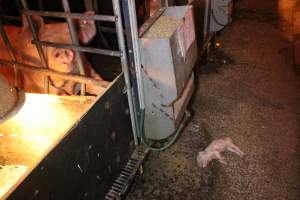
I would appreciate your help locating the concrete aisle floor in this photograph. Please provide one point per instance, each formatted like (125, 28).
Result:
(248, 91)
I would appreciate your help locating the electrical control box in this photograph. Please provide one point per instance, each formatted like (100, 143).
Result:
(168, 55)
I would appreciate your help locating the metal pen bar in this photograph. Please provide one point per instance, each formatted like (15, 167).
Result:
(40, 4)
(10, 51)
(19, 19)
(88, 4)
(108, 29)
(66, 14)
(39, 47)
(19, 6)
(121, 41)
(49, 72)
(130, 57)
(7, 43)
(95, 7)
(80, 48)
(207, 18)
(12, 18)
(74, 41)
(136, 50)
(104, 29)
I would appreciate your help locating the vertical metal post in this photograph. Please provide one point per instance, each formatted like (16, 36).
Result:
(130, 54)
(76, 42)
(19, 7)
(40, 4)
(98, 25)
(121, 41)
(10, 51)
(130, 60)
(38, 46)
(131, 30)
(88, 4)
(136, 51)
(207, 19)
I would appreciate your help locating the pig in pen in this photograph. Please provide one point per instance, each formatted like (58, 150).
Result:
(46, 56)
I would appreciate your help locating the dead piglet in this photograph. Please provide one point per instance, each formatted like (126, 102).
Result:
(214, 150)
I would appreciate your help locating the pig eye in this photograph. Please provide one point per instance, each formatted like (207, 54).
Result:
(83, 23)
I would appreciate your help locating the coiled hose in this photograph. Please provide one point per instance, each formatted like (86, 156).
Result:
(166, 145)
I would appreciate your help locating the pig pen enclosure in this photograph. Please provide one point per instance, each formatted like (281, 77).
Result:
(68, 147)
(64, 145)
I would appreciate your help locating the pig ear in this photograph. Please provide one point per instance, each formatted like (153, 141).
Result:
(37, 20)
(63, 56)
(87, 28)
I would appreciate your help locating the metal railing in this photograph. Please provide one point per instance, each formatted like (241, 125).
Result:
(68, 14)
(80, 48)
(10, 51)
(74, 46)
(38, 46)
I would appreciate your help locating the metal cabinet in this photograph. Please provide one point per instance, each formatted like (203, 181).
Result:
(168, 54)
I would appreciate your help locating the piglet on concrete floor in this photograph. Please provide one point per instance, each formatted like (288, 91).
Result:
(214, 149)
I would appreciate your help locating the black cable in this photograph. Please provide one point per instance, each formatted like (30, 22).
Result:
(215, 19)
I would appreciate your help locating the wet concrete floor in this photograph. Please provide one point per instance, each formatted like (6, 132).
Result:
(249, 91)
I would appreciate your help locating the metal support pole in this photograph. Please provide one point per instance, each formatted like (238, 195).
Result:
(121, 41)
(74, 41)
(40, 4)
(105, 18)
(130, 56)
(10, 51)
(19, 7)
(88, 4)
(163, 3)
(129, 11)
(207, 18)
(39, 47)
(80, 48)
(98, 25)
(136, 51)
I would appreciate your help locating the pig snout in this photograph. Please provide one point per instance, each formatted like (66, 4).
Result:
(63, 56)
(61, 60)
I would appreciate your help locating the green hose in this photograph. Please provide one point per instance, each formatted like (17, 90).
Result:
(168, 144)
